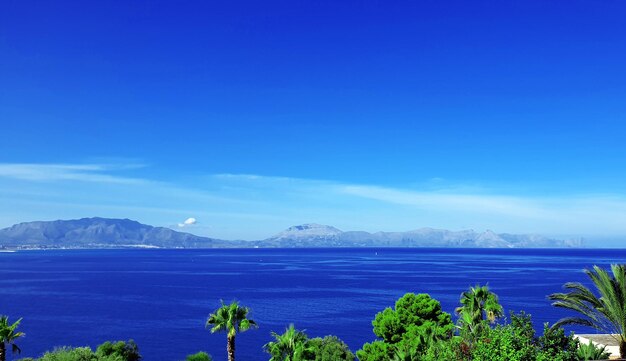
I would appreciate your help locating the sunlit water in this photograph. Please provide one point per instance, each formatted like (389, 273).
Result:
(161, 298)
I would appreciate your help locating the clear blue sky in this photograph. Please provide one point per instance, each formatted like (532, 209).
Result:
(253, 116)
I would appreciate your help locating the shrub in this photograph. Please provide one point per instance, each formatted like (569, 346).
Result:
(76, 354)
(108, 351)
(128, 351)
(329, 348)
(554, 345)
(512, 342)
(454, 349)
(200, 356)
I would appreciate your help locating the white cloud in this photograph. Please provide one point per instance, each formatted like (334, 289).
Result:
(188, 222)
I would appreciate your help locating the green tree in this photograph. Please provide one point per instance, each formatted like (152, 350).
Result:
(605, 311)
(329, 348)
(478, 305)
(292, 345)
(128, 351)
(200, 356)
(231, 319)
(412, 311)
(416, 321)
(8, 335)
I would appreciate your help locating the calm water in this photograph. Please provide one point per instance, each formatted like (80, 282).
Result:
(161, 298)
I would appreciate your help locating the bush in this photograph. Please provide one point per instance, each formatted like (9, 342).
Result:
(512, 342)
(128, 351)
(108, 351)
(554, 345)
(517, 342)
(329, 348)
(76, 354)
(454, 349)
(200, 356)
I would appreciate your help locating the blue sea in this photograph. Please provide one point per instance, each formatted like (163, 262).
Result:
(161, 298)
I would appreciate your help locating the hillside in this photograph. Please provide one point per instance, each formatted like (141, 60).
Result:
(101, 233)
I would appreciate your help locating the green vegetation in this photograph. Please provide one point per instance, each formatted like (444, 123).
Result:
(516, 341)
(8, 335)
(606, 312)
(330, 348)
(128, 351)
(415, 329)
(478, 305)
(408, 329)
(589, 351)
(290, 346)
(294, 345)
(231, 319)
(200, 356)
(418, 330)
(108, 351)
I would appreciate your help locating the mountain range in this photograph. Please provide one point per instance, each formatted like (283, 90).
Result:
(124, 233)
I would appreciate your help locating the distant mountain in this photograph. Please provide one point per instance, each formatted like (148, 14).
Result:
(101, 233)
(315, 235)
(123, 233)
(305, 235)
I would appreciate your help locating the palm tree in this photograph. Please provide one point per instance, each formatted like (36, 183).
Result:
(8, 336)
(290, 346)
(477, 305)
(231, 319)
(606, 313)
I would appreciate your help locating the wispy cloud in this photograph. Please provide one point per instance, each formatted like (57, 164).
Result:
(457, 202)
(454, 206)
(255, 206)
(75, 172)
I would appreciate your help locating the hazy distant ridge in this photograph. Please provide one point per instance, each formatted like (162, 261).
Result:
(120, 233)
(316, 235)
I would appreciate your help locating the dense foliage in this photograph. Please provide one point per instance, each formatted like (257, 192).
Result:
(128, 351)
(418, 330)
(516, 341)
(406, 330)
(200, 356)
(108, 351)
(330, 348)
(294, 345)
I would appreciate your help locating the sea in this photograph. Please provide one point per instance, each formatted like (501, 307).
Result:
(162, 298)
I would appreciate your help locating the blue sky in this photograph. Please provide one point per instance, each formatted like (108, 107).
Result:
(254, 116)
